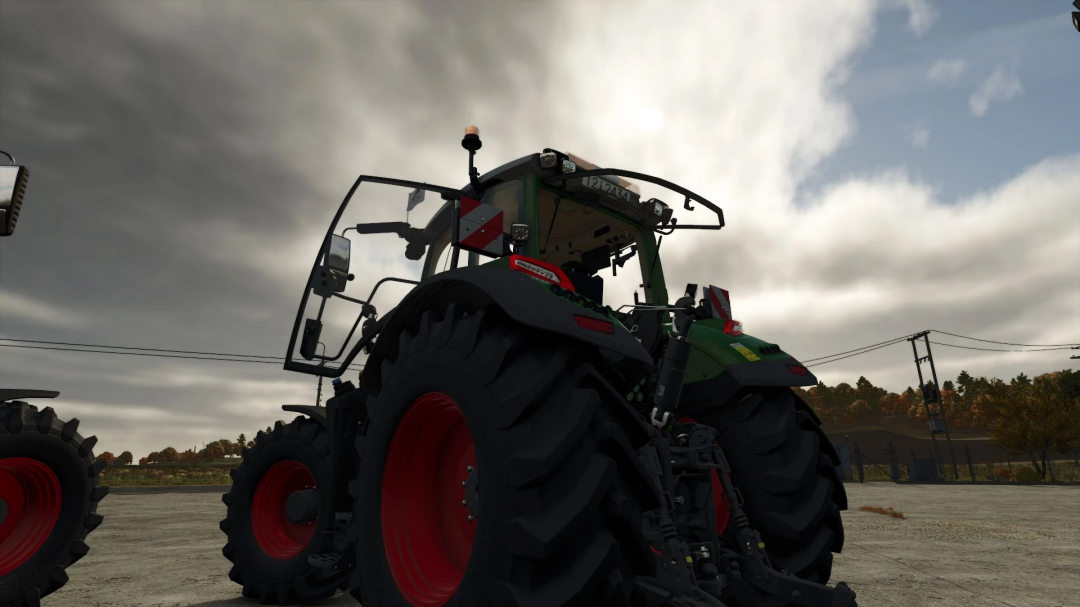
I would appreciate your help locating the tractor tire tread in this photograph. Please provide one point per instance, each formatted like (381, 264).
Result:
(18, 417)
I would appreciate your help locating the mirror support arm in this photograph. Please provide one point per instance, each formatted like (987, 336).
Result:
(454, 233)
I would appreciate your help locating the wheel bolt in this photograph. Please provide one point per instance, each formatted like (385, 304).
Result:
(464, 503)
(472, 518)
(463, 483)
(470, 468)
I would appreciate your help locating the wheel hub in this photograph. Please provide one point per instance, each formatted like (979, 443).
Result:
(472, 493)
(302, 508)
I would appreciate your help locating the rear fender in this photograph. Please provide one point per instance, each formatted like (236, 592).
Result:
(316, 413)
(748, 361)
(526, 300)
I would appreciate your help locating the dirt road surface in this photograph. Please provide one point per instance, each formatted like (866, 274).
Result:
(959, 546)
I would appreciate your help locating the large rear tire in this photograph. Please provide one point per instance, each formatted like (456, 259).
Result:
(499, 468)
(49, 484)
(268, 551)
(786, 477)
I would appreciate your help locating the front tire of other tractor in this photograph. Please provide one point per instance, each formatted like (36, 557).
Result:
(786, 477)
(499, 468)
(50, 493)
(269, 552)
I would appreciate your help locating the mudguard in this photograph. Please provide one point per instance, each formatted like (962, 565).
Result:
(525, 300)
(17, 393)
(316, 413)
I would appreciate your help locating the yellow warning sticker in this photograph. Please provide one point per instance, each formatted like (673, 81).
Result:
(745, 352)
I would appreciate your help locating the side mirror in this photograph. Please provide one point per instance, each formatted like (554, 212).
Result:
(337, 258)
(12, 189)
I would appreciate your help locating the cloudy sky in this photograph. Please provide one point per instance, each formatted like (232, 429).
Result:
(885, 167)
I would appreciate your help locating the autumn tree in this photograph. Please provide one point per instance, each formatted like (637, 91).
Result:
(108, 457)
(869, 394)
(170, 455)
(889, 404)
(124, 459)
(143, 461)
(857, 411)
(916, 410)
(1031, 416)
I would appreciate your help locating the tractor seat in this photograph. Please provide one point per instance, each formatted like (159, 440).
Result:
(585, 281)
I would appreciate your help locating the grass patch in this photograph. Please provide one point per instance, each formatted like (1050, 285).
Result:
(155, 476)
(880, 510)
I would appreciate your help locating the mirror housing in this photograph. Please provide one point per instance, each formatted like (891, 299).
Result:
(337, 258)
(12, 189)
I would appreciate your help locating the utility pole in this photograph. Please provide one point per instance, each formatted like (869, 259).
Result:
(932, 394)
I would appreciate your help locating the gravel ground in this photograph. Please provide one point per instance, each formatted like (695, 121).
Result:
(958, 546)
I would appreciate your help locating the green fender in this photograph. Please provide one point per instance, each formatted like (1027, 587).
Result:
(721, 366)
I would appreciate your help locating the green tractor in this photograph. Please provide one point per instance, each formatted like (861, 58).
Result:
(49, 478)
(513, 438)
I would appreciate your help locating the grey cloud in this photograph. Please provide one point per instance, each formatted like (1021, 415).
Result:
(153, 131)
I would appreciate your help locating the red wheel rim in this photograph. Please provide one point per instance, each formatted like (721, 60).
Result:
(279, 537)
(427, 531)
(32, 494)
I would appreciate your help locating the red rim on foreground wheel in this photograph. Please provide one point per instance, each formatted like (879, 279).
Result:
(279, 537)
(31, 494)
(429, 500)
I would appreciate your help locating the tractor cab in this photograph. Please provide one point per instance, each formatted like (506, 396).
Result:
(552, 216)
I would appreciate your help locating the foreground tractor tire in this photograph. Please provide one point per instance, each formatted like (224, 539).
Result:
(49, 494)
(786, 477)
(499, 468)
(268, 551)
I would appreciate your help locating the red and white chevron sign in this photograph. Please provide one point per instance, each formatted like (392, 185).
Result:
(719, 302)
(480, 227)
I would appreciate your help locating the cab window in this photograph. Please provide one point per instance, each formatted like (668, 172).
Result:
(581, 240)
(508, 197)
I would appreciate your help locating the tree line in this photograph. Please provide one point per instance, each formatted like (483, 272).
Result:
(1026, 416)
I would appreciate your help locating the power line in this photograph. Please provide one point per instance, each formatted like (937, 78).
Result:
(889, 342)
(883, 345)
(997, 350)
(277, 361)
(1003, 343)
(251, 358)
(236, 360)
(62, 343)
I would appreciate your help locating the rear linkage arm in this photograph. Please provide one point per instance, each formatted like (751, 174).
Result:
(755, 576)
(761, 584)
